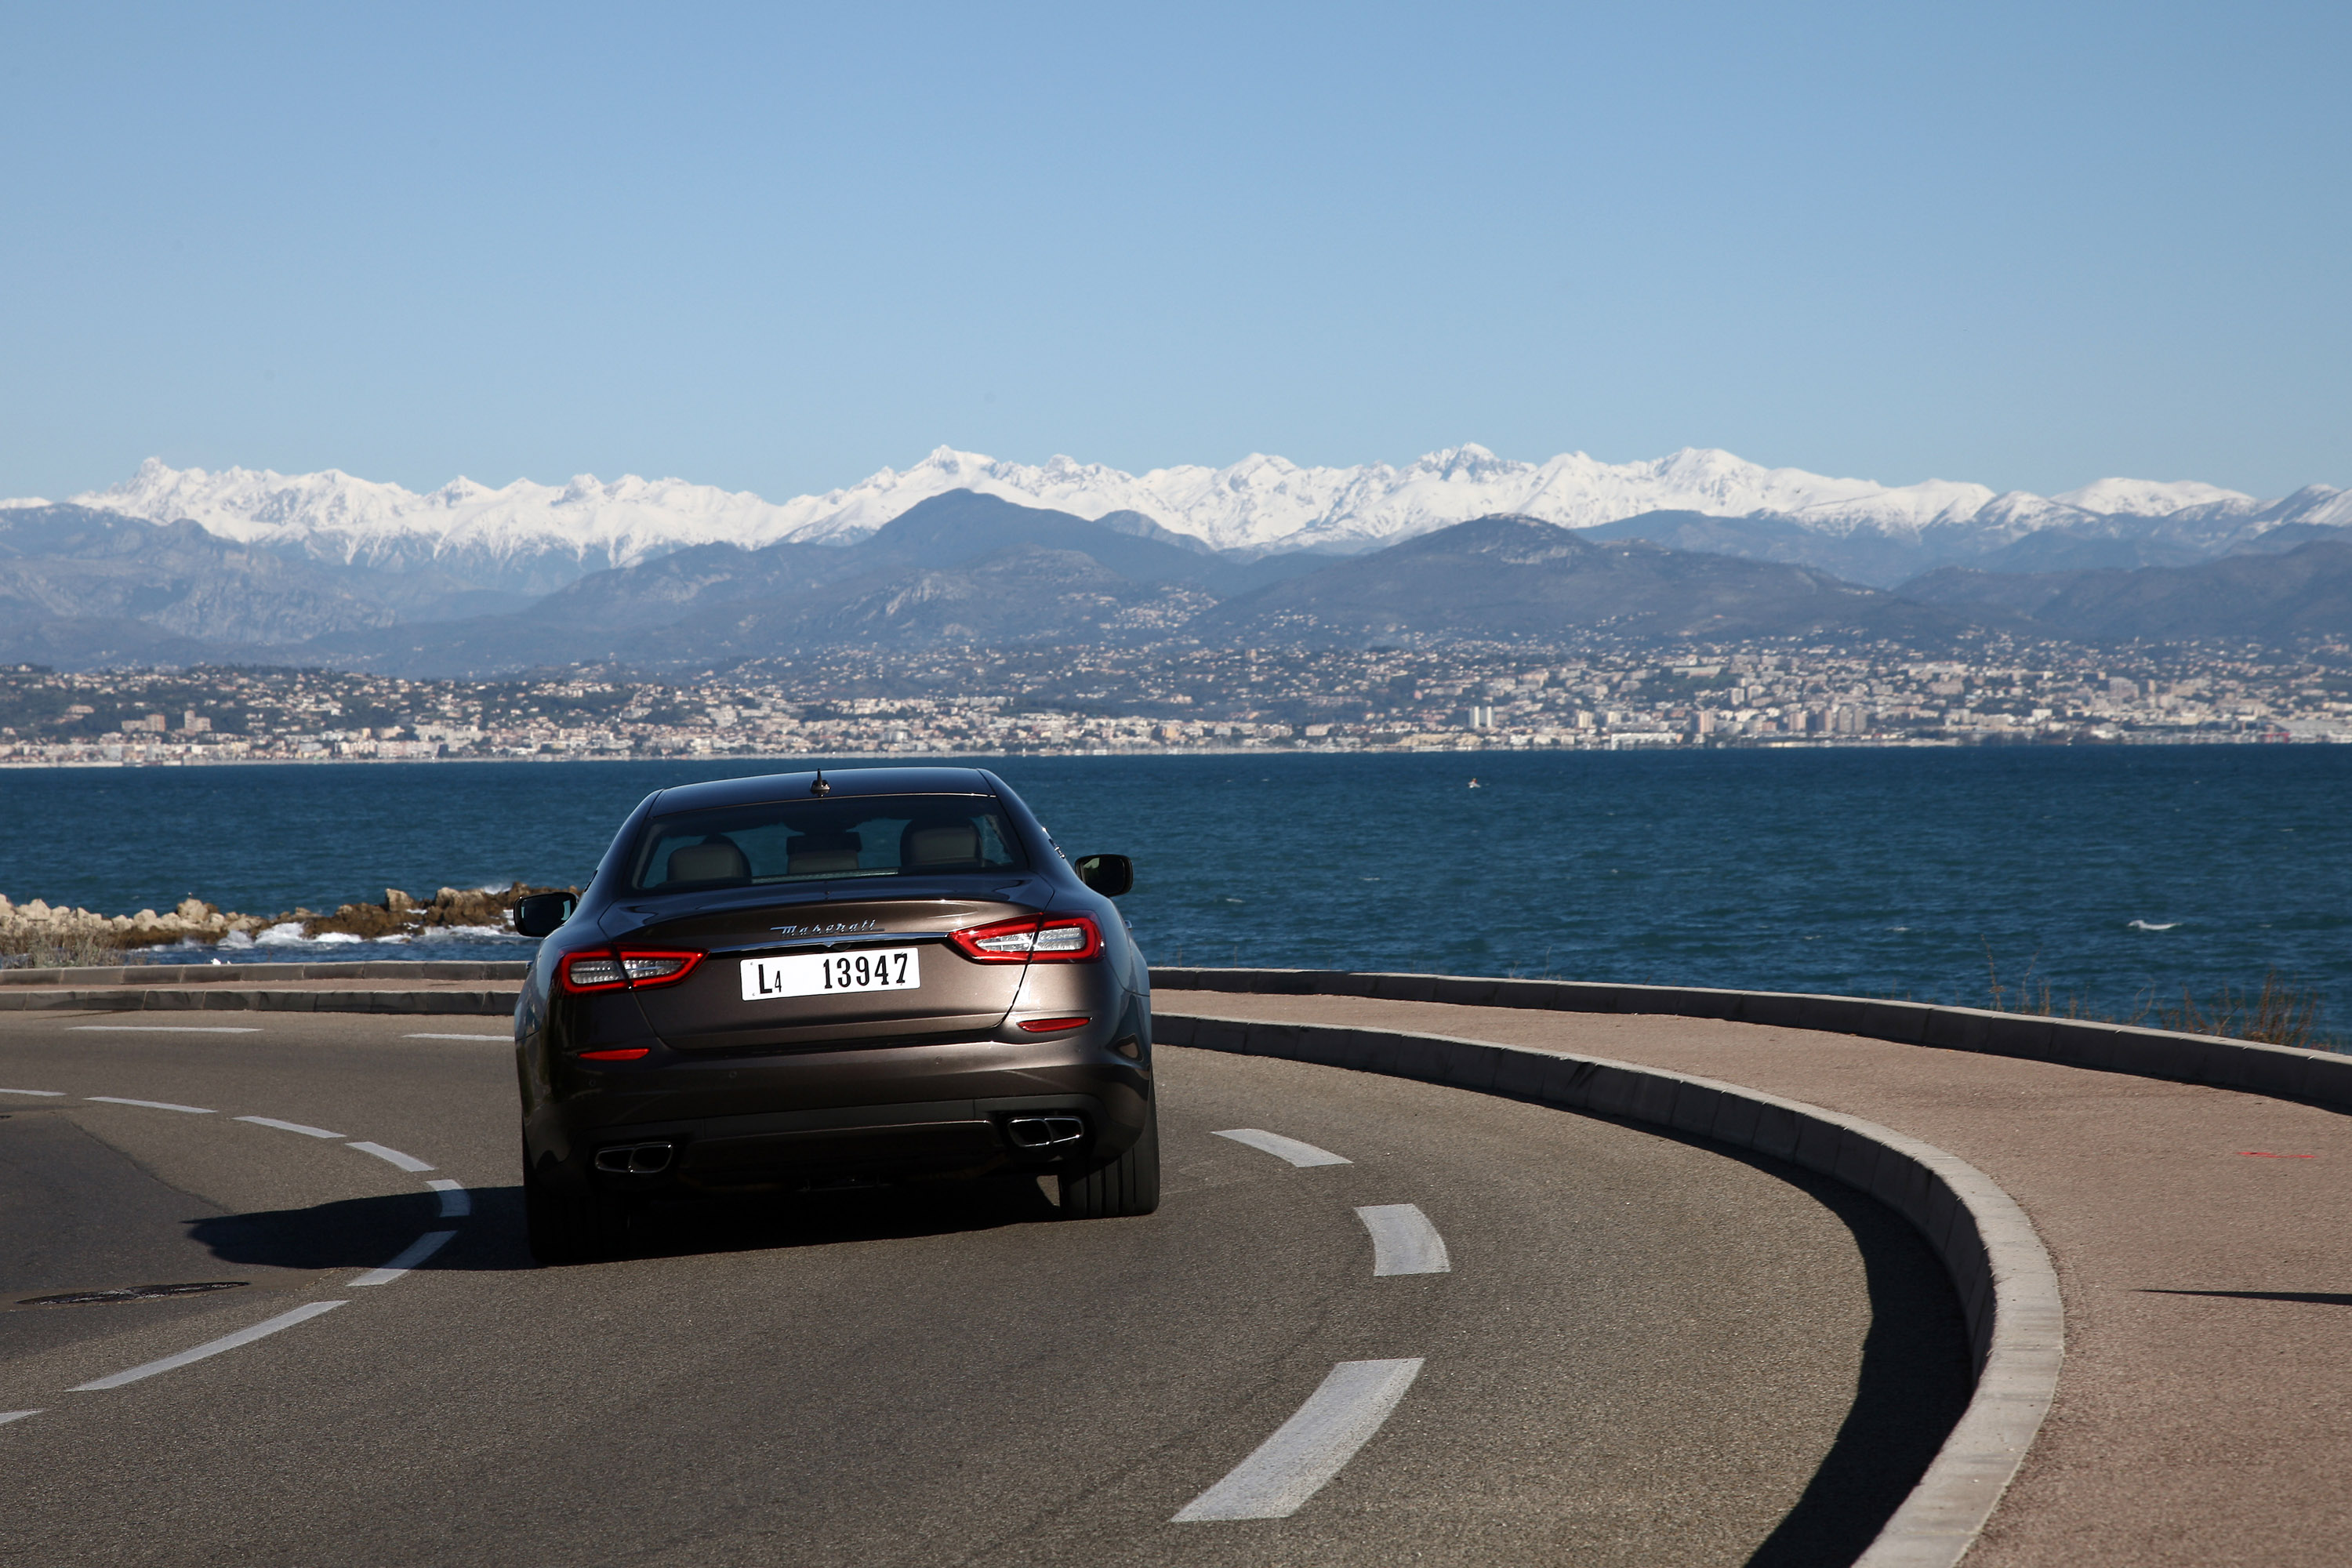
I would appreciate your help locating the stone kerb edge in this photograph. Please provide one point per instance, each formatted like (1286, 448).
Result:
(467, 1004)
(2319, 1078)
(2001, 1272)
(152, 974)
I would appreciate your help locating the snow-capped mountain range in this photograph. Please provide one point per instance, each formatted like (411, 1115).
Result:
(531, 537)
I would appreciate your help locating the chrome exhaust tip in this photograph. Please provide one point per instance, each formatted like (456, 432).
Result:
(635, 1159)
(1043, 1131)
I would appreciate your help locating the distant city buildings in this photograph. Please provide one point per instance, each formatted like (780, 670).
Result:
(1096, 700)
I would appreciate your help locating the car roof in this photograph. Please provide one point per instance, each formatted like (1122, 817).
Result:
(844, 782)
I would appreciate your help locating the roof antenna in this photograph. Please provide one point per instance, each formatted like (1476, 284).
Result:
(820, 788)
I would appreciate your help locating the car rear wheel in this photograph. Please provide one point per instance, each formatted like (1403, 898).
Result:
(1128, 1184)
(569, 1228)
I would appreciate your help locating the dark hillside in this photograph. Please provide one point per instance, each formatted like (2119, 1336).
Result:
(1513, 578)
(2271, 597)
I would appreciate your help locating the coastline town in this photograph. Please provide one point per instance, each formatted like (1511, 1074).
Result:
(1061, 700)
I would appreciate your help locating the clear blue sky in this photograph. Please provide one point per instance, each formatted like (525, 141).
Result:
(776, 247)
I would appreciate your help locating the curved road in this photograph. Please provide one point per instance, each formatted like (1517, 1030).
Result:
(1544, 1339)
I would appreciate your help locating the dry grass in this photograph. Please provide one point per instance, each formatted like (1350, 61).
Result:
(2280, 1013)
(60, 950)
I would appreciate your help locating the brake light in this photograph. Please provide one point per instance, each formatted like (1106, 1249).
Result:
(639, 969)
(1049, 938)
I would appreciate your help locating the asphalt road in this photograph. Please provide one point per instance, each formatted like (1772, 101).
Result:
(1640, 1350)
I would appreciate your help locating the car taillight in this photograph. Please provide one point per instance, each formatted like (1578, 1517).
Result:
(1049, 938)
(620, 1054)
(1006, 941)
(1052, 1026)
(639, 969)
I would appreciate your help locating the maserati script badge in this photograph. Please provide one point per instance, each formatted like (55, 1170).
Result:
(831, 928)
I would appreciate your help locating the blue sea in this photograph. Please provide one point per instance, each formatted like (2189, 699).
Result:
(2113, 876)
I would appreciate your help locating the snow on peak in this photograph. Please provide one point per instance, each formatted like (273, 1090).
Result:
(334, 513)
(1261, 502)
(2149, 497)
(2313, 503)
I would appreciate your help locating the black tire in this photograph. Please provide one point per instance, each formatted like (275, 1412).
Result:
(1127, 1185)
(569, 1228)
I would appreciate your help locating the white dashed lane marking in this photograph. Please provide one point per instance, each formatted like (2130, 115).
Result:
(417, 1251)
(406, 1161)
(167, 1028)
(1290, 1149)
(290, 1127)
(261, 1331)
(502, 1039)
(1403, 1241)
(455, 1200)
(1309, 1448)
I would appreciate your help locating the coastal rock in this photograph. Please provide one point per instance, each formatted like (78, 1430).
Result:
(37, 928)
(474, 908)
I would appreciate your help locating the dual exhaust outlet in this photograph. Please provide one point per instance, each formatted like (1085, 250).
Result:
(1025, 1132)
(635, 1159)
(1045, 1131)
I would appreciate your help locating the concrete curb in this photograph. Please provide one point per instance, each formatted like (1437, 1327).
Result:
(150, 974)
(2315, 1078)
(2008, 1287)
(472, 1004)
(251, 988)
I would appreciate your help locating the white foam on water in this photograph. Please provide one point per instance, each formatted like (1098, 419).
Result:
(288, 934)
(2146, 925)
(185, 944)
(468, 933)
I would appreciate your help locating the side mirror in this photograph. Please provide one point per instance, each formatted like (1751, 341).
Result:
(1109, 875)
(541, 913)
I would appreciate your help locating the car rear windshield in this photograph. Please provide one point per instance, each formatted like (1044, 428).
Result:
(821, 840)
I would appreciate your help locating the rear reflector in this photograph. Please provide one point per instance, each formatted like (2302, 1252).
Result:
(639, 969)
(1052, 1026)
(630, 1055)
(1049, 938)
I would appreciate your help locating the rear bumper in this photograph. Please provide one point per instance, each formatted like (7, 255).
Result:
(783, 1123)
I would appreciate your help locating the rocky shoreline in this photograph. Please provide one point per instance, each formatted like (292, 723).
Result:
(29, 928)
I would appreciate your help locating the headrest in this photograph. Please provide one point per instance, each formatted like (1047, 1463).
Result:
(717, 861)
(816, 853)
(941, 842)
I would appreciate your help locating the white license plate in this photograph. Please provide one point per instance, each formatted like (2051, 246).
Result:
(833, 973)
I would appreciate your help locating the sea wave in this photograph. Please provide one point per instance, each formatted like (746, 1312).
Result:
(2150, 925)
(288, 934)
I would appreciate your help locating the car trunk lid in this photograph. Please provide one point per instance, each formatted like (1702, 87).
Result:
(760, 953)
